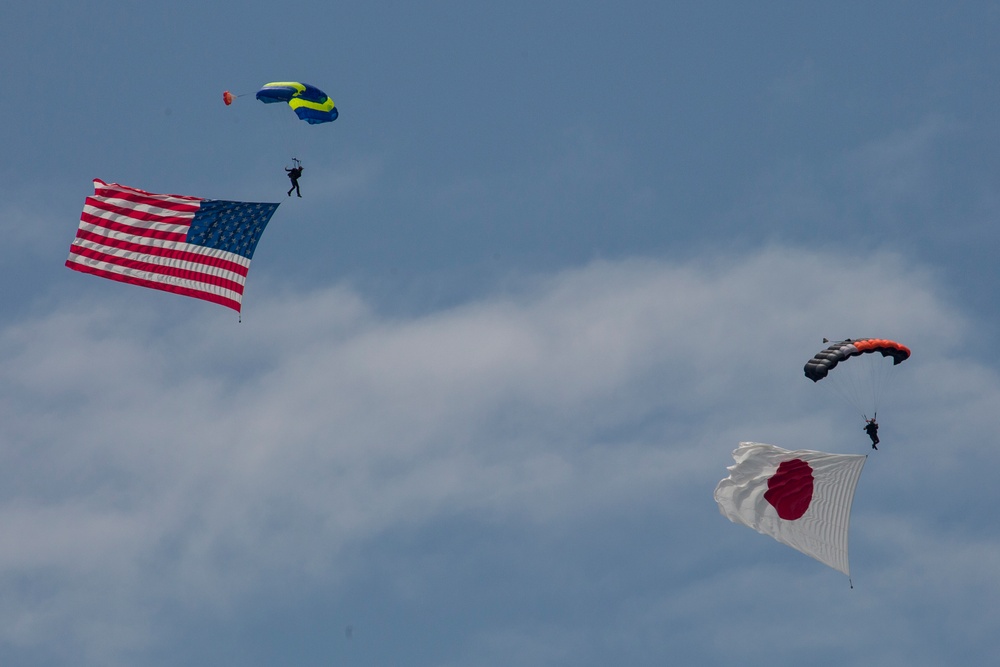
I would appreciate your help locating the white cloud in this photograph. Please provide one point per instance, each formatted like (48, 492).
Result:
(154, 463)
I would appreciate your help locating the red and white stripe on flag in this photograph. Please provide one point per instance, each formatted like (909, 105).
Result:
(146, 239)
(801, 498)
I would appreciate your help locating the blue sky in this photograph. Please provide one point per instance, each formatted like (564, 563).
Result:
(553, 262)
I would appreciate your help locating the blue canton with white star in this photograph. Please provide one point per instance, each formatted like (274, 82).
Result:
(231, 226)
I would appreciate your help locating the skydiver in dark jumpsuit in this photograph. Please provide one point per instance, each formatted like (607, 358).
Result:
(293, 176)
(871, 428)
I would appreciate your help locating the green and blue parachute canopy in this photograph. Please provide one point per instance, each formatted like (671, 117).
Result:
(309, 102)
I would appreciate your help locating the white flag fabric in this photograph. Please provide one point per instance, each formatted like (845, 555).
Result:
(801, 498)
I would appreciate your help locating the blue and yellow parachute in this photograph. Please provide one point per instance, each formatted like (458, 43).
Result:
(309, 102)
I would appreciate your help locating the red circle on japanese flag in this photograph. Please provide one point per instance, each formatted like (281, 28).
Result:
(790, 489)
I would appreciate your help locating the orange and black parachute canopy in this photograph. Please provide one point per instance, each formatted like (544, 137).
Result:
(826, 360)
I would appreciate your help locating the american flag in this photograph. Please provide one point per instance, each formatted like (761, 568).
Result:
(186, 245)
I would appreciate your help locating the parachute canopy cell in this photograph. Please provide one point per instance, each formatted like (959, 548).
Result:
(819, 366)
(309, 103)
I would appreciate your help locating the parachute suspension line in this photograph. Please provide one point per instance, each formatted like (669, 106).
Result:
(861, 381)
(849, 385)
(229, 97)
(287, 133)
(881, 377)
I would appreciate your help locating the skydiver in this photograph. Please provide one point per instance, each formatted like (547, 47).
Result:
(293, 176)
(871, 428)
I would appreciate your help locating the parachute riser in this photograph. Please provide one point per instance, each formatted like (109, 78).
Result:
(861, 382)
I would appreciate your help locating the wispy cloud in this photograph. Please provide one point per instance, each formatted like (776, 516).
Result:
(153, 463)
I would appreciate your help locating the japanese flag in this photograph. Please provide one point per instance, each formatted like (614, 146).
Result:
(800, 498)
